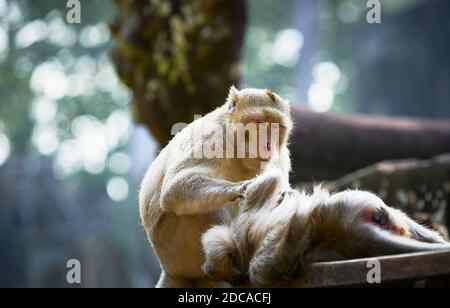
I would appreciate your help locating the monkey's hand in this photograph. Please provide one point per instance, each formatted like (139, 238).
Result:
(241, 189)
(194, 193)
(265, 187)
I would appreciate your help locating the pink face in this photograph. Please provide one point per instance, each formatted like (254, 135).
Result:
(382, 219)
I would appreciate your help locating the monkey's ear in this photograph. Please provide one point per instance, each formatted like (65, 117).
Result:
(232, 99)
(271, 95)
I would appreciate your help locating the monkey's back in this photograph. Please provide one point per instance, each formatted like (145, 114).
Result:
(171, 234)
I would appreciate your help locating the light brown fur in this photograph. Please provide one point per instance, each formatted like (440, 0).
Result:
(181, 196)
(274, 239)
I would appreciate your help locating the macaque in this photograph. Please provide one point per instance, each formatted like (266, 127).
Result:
(280, 231)
(187, 190)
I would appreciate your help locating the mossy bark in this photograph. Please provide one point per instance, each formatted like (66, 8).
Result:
(179, 57)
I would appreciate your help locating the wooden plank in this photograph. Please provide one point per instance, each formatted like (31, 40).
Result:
(407, 267)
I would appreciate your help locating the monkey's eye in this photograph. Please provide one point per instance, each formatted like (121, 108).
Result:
(281, 197)
(381, 217)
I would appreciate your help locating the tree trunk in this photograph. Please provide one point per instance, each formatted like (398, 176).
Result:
(179, 57)
(327, 146)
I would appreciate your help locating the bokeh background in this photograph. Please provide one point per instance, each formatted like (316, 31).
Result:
(72, 156)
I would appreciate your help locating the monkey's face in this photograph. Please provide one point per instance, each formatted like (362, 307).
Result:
(261, 122)
(356, 224)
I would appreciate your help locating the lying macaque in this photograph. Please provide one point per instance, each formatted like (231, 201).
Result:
(279, 232)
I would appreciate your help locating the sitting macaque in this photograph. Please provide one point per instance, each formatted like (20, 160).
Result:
(278, 233)
(187, 189)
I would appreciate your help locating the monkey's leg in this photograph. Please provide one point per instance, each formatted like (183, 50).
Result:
(196, 194)
(167, 281)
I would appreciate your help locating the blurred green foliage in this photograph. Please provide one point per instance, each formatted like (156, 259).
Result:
(65, 127)
(324, 54)
(269, 58)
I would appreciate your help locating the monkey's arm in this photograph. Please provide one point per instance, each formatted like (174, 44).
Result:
(195, 193)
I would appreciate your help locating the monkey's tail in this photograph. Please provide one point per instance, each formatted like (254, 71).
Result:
(221, 254)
